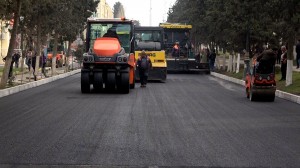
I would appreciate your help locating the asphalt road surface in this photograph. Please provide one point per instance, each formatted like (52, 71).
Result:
(191, 120)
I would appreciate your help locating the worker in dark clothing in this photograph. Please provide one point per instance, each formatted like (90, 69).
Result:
(11, 66)
(144, 64)
(266, 61)
(111, 33)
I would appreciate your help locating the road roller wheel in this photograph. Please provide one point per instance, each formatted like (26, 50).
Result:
(98, 81)
(85, 82)
(124, 83)
(252, 96)
(110, 81)
(132, 86)
(247, 93)
(272, 98)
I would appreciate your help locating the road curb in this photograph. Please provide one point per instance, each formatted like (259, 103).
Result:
(16, 89)
(280, 94)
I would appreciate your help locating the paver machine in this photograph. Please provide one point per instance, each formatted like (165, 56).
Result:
(109, 61)
(150, 39)
(260, 81)
(185, 61)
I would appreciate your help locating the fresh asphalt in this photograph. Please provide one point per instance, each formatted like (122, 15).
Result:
(190, 120)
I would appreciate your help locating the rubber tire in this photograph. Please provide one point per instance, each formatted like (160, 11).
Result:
(252, 96)
(124, 83)
(98, 81)
(247, 93)
(110, 81)
(132, 86)
(85, 82)
(272, 98)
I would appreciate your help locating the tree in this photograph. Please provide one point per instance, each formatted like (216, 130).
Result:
(288, 23)
(57, 18)
(4, 78)
(119, 10)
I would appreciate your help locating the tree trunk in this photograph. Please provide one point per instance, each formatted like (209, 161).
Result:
(38, 48)
(53, 69)
(22, 52)
(4, 77)
(289, 70)
(67, 56)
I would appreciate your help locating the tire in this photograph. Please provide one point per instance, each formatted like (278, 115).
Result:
(132, 86)
(252, 96)
(110, 83)
(98, 81)
(124, 83)
(85, 82)
(247, 93)
(272, 98)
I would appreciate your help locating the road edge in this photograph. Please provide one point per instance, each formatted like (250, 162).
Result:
(19, 88)
(280, 94)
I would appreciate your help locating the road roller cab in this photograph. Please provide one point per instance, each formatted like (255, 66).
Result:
(260, 81)
(109, 59)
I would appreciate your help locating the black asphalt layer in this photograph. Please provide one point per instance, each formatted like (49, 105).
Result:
(190, 120)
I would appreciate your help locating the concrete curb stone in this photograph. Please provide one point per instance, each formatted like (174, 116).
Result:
(280, 94)
(19, 88)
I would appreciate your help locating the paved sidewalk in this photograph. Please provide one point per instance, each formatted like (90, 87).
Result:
(26, 76)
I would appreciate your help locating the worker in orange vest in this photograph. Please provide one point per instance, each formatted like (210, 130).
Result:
(176, 49)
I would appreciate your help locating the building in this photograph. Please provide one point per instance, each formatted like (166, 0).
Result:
(104, 10)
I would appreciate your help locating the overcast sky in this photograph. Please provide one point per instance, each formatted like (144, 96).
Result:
(140, 10)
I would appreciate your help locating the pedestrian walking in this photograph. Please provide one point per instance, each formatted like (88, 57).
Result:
(279, 52)
(28, 59)
(10, 73)
(16, 59)
(212, 59)
(144, 64)
(283, 63)
(298, 53)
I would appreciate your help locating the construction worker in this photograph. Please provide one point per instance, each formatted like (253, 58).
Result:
(144, 64)
(176, 50)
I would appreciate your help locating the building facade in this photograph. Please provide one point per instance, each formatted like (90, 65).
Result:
(104, 10)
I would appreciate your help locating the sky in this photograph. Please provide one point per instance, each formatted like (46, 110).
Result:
(140, 10)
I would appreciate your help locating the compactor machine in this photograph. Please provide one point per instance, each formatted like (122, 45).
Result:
(150, 39)
(260, 81)
(109, 62)
(185, 61)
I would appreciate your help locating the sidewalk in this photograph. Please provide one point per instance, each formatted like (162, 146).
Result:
(23, 82)
(26, 77)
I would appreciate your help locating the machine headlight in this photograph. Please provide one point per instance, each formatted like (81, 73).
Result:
(119, 59)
